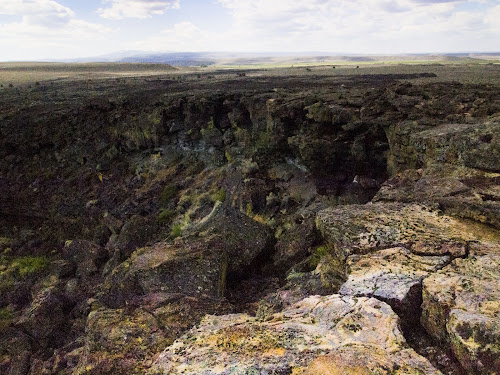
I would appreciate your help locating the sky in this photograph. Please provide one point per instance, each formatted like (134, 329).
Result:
(59, 29)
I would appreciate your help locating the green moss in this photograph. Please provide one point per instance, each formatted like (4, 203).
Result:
(219, 196)
(176, 230)
(165, 216)
(229, 157)
(4, 242)
(5, 314)
(168, 193)
(6, 317)
(27, 266)
(315, 258)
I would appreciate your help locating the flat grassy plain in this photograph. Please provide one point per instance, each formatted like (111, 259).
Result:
(26, 73)
(461, 70)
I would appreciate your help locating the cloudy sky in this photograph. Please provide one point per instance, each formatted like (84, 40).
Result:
(52, 29)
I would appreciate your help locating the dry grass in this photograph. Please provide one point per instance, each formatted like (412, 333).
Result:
(24, 73)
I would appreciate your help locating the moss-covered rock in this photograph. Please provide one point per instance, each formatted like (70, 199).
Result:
(460, 308)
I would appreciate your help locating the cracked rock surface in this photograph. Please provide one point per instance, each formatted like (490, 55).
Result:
(461, 307)
(393, 275)
(316, 332)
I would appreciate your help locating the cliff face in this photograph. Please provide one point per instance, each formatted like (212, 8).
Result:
(130, 212)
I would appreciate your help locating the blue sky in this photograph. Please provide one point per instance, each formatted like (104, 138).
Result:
(52, 29)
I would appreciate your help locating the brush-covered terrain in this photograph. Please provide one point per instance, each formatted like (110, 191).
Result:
(293, 221)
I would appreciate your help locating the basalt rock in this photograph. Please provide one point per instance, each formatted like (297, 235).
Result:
(360, 229)
(393, 276)
(460, 307)
(311, 336)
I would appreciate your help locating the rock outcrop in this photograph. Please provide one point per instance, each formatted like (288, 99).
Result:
(347, 223)
(461, 305)
(316, 334)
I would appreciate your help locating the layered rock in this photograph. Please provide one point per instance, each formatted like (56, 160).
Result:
(461, 305)
(359, 229)
(316, 332)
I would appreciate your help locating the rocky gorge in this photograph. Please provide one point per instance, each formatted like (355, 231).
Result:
(251, 224)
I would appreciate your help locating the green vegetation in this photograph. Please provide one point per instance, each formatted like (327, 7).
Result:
(168, 193)
(176, 230)
(219, 196)
(316, 256)
(29, 265)
(6, 317)
(165, 216)
(5, 314)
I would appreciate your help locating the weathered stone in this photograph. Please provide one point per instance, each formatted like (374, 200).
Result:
(461, 305)
(393, 276)
(470, 145)
(86, 256)
(123, 341)
(236, 235)
(295, 244)
(290, 341)
(135, 233)
(194, 268)
(459, 191)
(359, 229)
(45, 319)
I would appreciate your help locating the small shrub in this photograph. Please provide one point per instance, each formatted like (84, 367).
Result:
(176, 230)
(29, 265)
(168, 193)
(165, 216)
(308, 69)
(219, 196)
(11, 85)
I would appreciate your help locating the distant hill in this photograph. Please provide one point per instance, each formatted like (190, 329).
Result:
(176, 59)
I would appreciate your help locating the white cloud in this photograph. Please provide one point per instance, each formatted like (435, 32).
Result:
(44, 25)
(120, 9)
(376, 26)
(41, 12)
(183, 36)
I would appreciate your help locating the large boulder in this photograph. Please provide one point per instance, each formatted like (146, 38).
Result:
(315, 330)
(45, 319)
(124, 341)
(87, 257)
(225, 242)
(461, 305)
(194, 268)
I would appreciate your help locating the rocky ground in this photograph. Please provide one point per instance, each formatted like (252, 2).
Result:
(251, 224)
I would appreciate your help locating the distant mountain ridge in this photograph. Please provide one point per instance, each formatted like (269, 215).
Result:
(250, 58)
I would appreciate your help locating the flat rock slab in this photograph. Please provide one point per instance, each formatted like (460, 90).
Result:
(459, 191)
(360, 229)
(315, 330)
(461, 306)
(392, 275)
